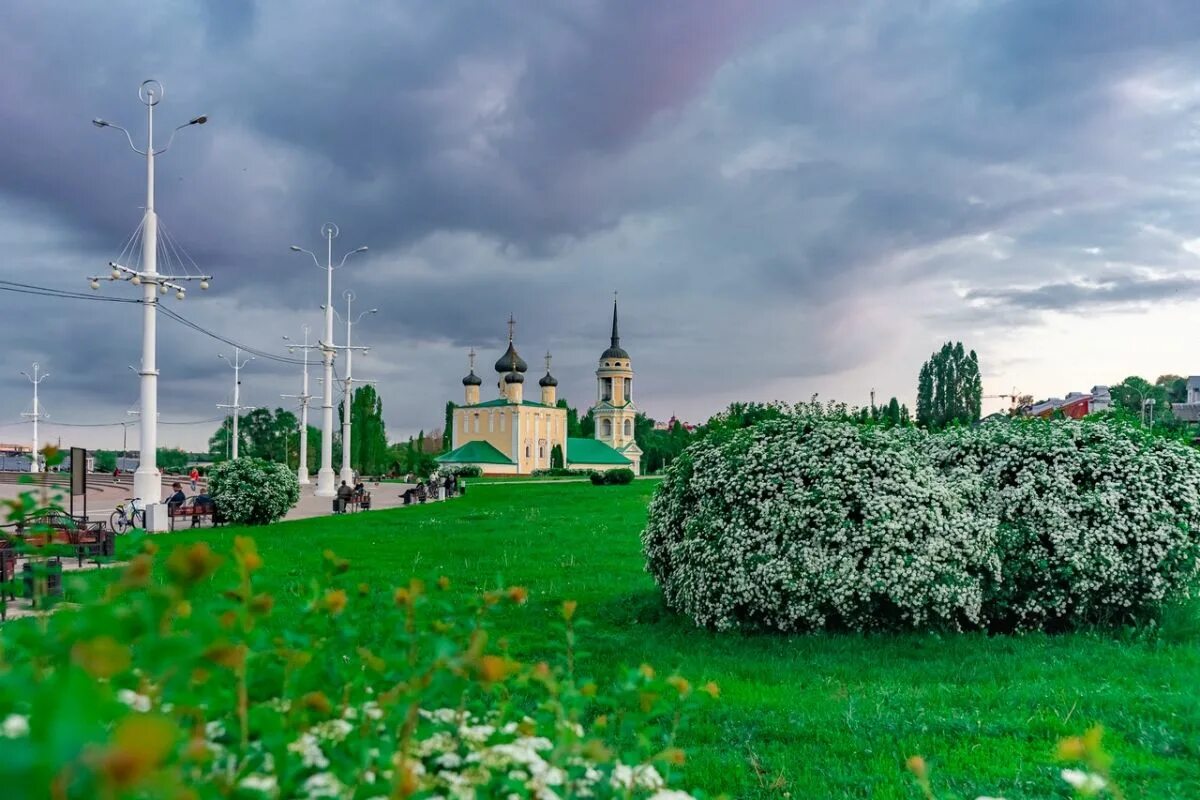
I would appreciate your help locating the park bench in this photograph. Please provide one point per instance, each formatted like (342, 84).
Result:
(196, 510)
(90, 539)
(8, 570)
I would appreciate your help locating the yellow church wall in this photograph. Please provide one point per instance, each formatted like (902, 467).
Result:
(539, 430)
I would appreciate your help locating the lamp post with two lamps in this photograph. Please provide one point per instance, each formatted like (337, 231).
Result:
(35, 379)
(304, 397)
(237, 363)
(325, 477)
(347, 473)
(147, 483)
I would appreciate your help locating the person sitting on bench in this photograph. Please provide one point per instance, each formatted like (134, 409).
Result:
(344, 493)
(178, 498)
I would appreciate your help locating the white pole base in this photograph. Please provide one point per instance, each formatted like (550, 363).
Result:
(147, 486)
(302, 477)
(325, 483)
(157, 519)
(347, 475)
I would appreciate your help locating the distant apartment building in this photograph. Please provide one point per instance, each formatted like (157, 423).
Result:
(1076, 405)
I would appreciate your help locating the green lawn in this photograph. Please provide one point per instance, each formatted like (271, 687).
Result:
(806, 716)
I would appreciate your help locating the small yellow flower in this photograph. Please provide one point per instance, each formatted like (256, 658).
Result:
(916, 765)
(335, 601)
(568, 609)
(317, 701)
(680, 685)
(443, 583)
(711, 689)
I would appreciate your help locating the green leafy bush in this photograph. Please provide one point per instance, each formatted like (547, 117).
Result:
(809, 522)
(181, 679)
(462, 471)
(562, 472)
(612, 477)
(251, 491)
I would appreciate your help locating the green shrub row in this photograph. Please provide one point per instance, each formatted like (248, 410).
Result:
(612, 477)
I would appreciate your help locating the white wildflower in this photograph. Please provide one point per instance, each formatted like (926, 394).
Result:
(266, 784)
(309, 750)
(130, 698)
(15, 726)
(324, 784)
(1086, 783)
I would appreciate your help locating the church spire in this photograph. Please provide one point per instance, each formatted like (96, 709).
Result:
(616, 337)
(614, 349)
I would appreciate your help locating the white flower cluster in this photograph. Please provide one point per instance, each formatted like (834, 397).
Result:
(455, 755)
(808, 522)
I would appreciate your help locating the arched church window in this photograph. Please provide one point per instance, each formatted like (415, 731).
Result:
(477, 422)
(628, 389)
(628, 428)
(606, 427)
(606, 387)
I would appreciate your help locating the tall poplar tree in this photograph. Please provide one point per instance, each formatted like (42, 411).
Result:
(949, 388)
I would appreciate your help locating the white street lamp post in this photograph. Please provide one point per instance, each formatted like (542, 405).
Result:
(35, 379)
(347, 474)
(237, 363)
(147, 483)
(325, 478)
(304, 397)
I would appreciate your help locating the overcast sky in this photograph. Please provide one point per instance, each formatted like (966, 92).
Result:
(791, 197)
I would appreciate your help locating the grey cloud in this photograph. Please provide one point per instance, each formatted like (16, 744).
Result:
(1113, 291)
(531, 158)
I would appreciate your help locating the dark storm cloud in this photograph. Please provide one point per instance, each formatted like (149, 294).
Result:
(743, 172)
(1081, 296)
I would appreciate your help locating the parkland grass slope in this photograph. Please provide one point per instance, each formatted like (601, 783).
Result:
(804, 716)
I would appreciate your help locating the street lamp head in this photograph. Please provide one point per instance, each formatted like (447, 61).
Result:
(95, 284)
(116, 273)
(203, 285)
(162, 289)
(136, 280)
(294, 248)
(99, 123)
(179, 295)
(373, 311)
(362, 249)
(200, 120)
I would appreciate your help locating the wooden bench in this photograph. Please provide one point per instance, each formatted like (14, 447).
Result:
(91, 539)
(197, 511)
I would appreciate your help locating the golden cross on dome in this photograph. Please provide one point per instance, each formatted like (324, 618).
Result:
(511, 324)
(471, 359)
(547, 362)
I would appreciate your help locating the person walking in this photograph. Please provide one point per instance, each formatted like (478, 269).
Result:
(195, 476)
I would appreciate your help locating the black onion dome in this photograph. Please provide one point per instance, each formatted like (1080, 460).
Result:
(548, 380)
(472, 380)
(510, 361)
(514, 377)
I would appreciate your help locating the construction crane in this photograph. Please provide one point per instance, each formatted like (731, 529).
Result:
(1013, 398)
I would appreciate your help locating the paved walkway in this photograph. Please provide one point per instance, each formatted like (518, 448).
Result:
(383, 495)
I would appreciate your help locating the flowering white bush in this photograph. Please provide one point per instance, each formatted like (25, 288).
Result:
(252, 491)
(809, 522)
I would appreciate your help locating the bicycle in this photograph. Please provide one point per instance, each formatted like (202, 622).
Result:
(125, 517)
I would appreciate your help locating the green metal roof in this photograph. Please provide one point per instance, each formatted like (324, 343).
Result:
(475, 453)
(593, 451)
(501, 401)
